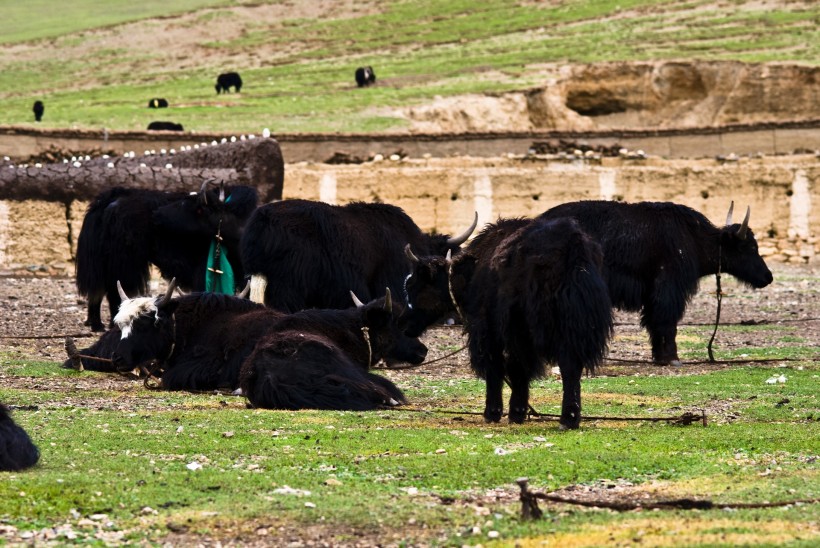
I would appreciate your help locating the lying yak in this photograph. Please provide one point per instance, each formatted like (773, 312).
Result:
(202, 341)
(125, 230)
(314, 253)
(17, 451)
(529, 292)
(655, 255)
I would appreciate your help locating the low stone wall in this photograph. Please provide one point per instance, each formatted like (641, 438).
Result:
(443, 194)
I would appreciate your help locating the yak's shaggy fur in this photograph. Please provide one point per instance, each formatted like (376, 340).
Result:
(531, 293)
(655, 254)
(17, 451)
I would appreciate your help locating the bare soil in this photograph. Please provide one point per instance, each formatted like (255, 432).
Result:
(38, 313)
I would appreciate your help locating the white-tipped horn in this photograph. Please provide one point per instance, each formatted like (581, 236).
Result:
(410, 255)
(121, 291)
(729, 215)
(744, 226)
(458, 240)
(245, 292)
(356, 300)
(222, 192)
(388, 301)
(449, 256)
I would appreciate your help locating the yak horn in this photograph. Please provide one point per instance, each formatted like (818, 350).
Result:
(356, 300)
(388, 301)
(458, 240)
(121, 291)
(245, 292)
(222, 192)
(744, 227)
(729, 216)
(410, 255)
(165, 299)
(203, 190)
(449, 256)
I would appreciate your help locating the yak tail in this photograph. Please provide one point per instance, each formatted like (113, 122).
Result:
(579, 309)
(258, 285)
(285, 384)
(17, 451)
(90, 263)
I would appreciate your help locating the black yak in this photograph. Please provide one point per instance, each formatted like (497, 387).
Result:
(17, 451)
(126, 230)
(158, 102)
(529, 292)
(304, 254)
(321, 357)
(365, 76)
(656, 252)
(226, 80)
(165, 126)
(38, 110)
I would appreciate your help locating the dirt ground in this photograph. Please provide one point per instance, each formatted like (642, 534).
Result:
(38, 312)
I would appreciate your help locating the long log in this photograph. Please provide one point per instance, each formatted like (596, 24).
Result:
(256, 162)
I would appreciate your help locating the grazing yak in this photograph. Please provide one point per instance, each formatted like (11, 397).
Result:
(38, 110)
(17, 451)
(365, 76)
(311, 359)
(655, 254)
(529, 292)
(158, 102)
(126, 230)
(165, 126)
(314, 253)
(227, 79)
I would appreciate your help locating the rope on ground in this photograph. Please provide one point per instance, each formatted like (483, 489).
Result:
(530, 509)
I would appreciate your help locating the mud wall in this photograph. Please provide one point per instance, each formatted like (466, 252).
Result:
(442, 194)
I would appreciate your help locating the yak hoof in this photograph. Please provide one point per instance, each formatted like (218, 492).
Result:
(518, 415)
(562, 426)
(237, 392)
(493, 415)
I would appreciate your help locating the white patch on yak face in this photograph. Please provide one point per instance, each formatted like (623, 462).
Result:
(131, 310)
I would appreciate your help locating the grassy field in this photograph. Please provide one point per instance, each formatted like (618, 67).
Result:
(122, 463)
(98, 68)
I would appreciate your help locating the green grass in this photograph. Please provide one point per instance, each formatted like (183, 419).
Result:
(420, 49)
(126, 453)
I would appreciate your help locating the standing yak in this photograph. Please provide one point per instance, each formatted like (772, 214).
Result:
(656, 252)
(38, 110)
(226, 80)
(365, 76)
(126, 230)
(529, 292)
(304, 254)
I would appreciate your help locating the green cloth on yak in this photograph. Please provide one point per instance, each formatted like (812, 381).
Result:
(214, 281)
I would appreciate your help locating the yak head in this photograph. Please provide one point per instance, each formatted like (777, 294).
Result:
(147, 327)
(214, 208)
(433, 287)
(739, 253)
(385, 331)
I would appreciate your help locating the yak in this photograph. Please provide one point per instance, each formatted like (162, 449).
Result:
(17, 451)
(314, 253)
(165, 126)
(38, 110)
(655, 254)
(126, 230)
(315, 358)
(227, 79)
(365, 76)
(158, 102)
(529, 292)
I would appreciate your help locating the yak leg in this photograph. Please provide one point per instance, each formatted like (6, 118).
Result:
(571, 404)
(494, 402)
(660, 317)
(519, 399)
(94, 319)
